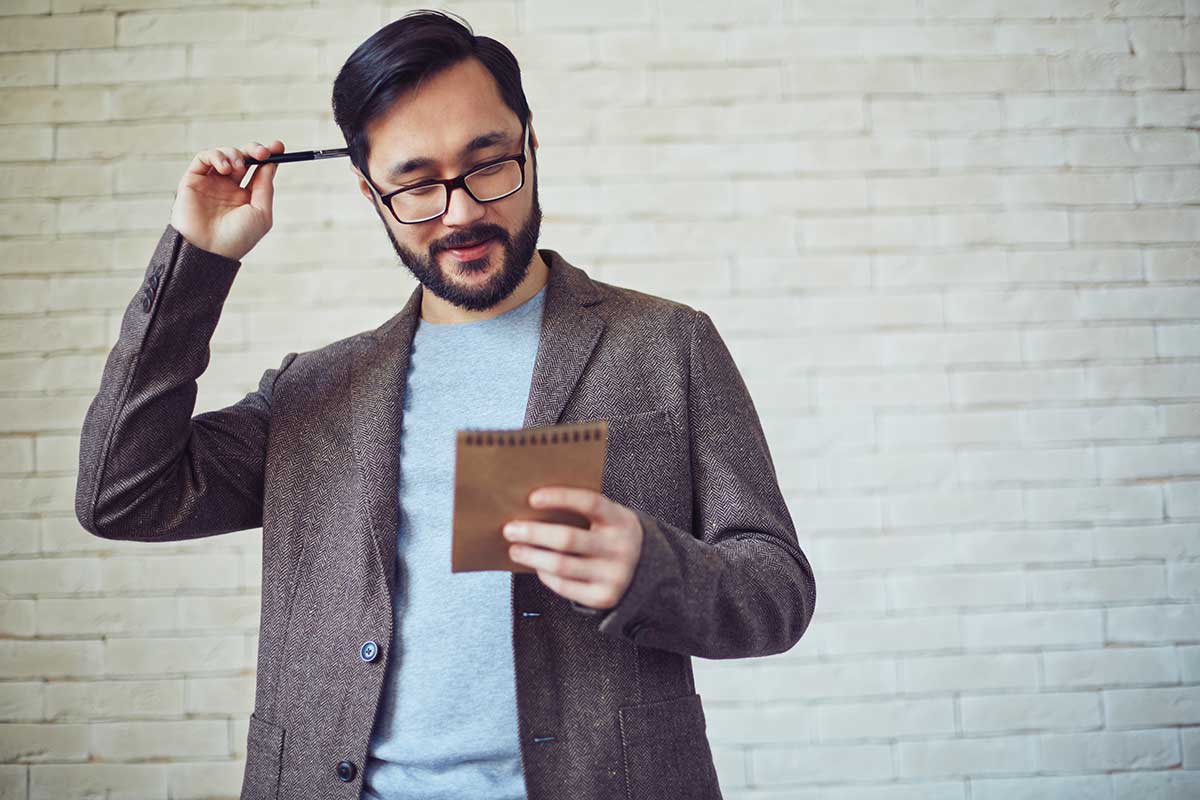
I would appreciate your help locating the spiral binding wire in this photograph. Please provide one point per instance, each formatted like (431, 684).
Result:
(524, 438)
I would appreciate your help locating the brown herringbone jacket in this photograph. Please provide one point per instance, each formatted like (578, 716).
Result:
(607, 705)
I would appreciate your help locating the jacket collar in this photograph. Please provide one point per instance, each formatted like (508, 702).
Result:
(570, 330)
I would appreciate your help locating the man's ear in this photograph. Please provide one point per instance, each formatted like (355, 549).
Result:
(364, 188)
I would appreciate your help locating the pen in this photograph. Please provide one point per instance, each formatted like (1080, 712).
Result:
(299, 155)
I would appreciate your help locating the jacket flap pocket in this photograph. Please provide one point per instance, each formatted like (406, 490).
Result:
(264, 757)
(666, 750)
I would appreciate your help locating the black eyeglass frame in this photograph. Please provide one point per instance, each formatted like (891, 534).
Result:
(461, 181)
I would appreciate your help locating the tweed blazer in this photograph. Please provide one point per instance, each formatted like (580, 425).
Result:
(607, 704)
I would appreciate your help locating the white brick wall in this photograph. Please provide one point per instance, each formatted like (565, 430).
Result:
(952, 244)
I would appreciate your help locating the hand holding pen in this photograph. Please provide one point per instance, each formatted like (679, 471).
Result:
(214, 211)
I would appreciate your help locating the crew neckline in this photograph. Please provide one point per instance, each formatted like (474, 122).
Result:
(511, 313)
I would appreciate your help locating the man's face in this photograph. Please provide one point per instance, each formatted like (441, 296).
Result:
(439, 126)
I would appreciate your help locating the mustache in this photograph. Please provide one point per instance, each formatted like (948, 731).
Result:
(462, 238)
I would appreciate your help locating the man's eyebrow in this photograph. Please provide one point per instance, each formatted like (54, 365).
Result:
(480, 142)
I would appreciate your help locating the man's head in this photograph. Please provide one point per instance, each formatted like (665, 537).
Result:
(424, 98)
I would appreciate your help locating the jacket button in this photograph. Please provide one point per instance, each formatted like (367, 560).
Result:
(153, 280)
(145, 303)
(346, 771)
(368, 652)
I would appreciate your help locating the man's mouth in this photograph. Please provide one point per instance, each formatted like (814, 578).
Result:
(472, 250)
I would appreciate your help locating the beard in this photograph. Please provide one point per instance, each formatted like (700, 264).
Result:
(516, 254)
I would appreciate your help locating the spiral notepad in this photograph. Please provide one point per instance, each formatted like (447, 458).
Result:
(495, 471)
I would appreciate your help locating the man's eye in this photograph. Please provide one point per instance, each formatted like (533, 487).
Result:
(420, 190)
(492, 170)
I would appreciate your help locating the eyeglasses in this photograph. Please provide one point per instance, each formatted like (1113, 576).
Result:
(486, 183)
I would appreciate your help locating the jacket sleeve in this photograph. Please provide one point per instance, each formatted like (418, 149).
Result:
(738, 585)
(148, 470)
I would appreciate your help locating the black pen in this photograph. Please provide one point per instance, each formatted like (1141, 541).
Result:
(300, 155)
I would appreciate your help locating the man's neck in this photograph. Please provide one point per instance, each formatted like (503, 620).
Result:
(437, 311)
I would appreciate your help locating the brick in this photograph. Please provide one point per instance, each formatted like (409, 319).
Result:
(1084, 787)
(27, 143)
(878, 552)
(111, 700)
(1065, 111)
(1119, 72)
(1183, 499)
(1165, 460)
(1017, 385)
(169, 573)
(979, 547)
(1111, 666)
(840, 76)
(951, 757)
(174, 655)
(1170, 541)
(857, 677)
(201, 780)
(1079, 752)
(1091, 343)
(777, 723)
(49, 576)
(1167, 263)
(55, 781)
(957, 591)
(104, 615)
(1153, 624)
(1143, 708)
(58, 32)
(21, 702)
(156, 28)
(1132, 149)
(821, 763)
(1033, 629)
(122, 64)
(32, 742)
(1174, 785)
(1098, 585)
(14, 782)
(889, 635)
(984, 75)
(1041, 711)
(1005, 150)
(885, 720)
(1183, 581)
(144, 739)
(1107, 503)
(26, 69)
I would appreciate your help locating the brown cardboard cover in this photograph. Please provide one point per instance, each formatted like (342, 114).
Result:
(496, 470)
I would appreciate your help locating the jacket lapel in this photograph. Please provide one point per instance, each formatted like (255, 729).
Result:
(569, 333)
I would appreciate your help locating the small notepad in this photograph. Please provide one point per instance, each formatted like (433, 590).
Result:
(495, 471)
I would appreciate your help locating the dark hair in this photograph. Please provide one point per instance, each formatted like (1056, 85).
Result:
(403, 53)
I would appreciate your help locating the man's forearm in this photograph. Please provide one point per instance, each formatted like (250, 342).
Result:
(138, 434)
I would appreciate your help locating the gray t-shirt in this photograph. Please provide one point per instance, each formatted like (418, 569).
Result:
(447, 725)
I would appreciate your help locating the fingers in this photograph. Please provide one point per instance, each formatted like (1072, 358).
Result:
(231, 161)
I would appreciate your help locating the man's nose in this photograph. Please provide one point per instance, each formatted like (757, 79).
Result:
(462, 209)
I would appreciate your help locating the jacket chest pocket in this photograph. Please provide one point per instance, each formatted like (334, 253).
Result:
(666, 751)
(642, 463)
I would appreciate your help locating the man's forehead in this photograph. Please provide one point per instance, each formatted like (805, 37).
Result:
(407, 153)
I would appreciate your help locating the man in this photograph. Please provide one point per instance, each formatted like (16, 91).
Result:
(380, 673)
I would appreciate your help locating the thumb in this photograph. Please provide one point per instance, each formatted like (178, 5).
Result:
(262, 186)
(262, 183)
